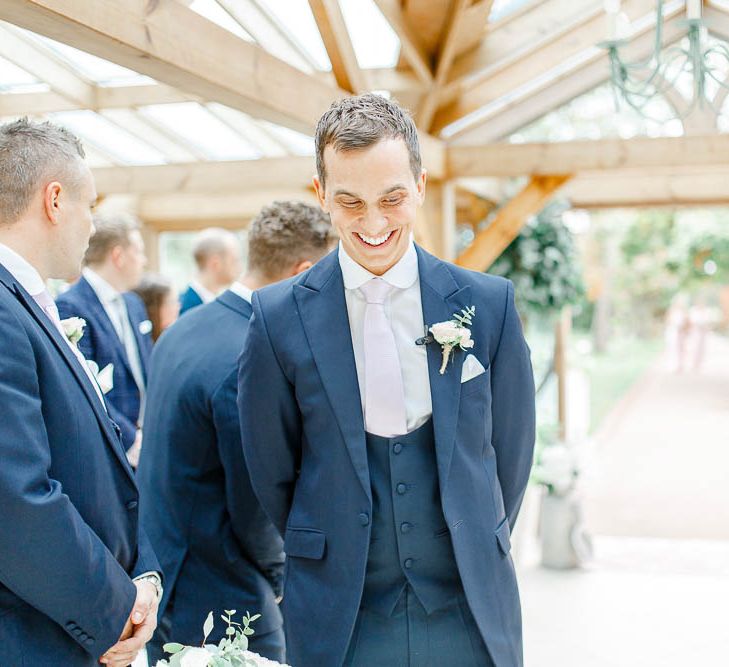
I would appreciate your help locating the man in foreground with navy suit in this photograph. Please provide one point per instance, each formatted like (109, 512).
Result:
(118, 331)
(217, 547)
(393, 464)
(78, 579)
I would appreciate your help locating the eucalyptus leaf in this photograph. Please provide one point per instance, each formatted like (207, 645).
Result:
(208, 626)
(172, 647)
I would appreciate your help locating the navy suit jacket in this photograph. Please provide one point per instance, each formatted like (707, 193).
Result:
(217, 547)
(304, 442)
(189, 299)
(69, 534)
(101, 344)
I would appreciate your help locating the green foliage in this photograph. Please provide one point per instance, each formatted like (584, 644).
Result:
(542, 262)
(230, 652)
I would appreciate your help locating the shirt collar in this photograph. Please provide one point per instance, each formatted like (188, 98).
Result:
(242, 291)
(403, 275)
(203, 292)
(22, 270)
(105, 292)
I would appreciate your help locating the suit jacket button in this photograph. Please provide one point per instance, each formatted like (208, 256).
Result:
(406, 527)
(132, 505)
(401, 488)
(408, 563)
(364, 519)
(397, 447)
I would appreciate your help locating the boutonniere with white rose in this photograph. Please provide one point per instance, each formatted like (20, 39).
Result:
(455, 333)
(74, 327)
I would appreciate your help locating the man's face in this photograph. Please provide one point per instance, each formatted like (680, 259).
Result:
(372, 199)
(132, 260)
(75, 225)
(230, 263)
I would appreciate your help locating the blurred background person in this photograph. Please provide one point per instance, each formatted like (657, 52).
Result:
(217, 256)
(217, 546)
(160, 301)
(118, 331)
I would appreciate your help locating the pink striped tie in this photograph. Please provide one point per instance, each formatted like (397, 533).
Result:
(385, 412)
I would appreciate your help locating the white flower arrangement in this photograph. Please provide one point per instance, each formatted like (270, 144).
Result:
(557, 469)
(232, 651)
(454, 333)
(74, 327)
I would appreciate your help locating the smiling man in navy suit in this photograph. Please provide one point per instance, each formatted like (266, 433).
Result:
(394, 485)
(118, 331)
(217, 547)
(78, 578)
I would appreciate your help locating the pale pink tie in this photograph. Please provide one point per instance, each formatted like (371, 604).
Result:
(45, 301)
(385, 413)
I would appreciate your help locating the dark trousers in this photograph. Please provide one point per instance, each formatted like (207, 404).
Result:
(409, 637)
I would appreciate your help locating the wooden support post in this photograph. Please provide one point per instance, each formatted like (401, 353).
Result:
(562, 332)
(505, 227)
(151, 246)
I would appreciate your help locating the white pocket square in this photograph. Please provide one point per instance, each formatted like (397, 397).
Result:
(472, 368)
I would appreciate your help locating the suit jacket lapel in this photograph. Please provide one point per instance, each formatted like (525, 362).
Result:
(323, 312)
(441, 298)
(103, 318)
(81, 377)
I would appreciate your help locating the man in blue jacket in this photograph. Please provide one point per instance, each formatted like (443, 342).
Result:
(393, 463)
(118, 332)
(217, 547)
(78, 578)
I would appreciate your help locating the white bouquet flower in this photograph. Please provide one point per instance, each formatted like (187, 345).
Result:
(231, 652)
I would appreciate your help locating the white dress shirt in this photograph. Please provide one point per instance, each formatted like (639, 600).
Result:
(242, 291)
(116, 308)
(203, 292)
(31, 281)
(404, 310)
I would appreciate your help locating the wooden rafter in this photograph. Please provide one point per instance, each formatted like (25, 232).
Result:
(410, 45)
(330, 21)
(289, 173)
(444, 59)
(505, 227)
(45, 66)
(259, 23)
(508, 160)
(574, 48)
(146, 38)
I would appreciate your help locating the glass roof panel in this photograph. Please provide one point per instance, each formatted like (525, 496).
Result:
(594, 116)
(197, 126)
(296, 17)
(90, 67)
(375, 42)
(12, 76)
(260, 137)
(502, 8)
(296, 142)
(212, 11)
(110, 139)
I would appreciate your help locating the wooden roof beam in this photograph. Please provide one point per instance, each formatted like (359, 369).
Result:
(330, 21)
(508, 222)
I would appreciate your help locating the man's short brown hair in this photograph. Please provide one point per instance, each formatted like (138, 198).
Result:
(110, 231)
(354, 123)
(31, 152)
(286, 233)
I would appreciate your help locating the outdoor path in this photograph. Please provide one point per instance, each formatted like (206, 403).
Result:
(659, 466)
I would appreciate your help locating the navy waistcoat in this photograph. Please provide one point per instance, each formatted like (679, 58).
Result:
(410, 542)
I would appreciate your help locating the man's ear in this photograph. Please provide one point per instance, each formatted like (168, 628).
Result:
(51, 201)
(320, 194)
(301, 267)
(420, 184)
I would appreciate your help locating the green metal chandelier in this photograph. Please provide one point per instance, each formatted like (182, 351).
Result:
(638, 82)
